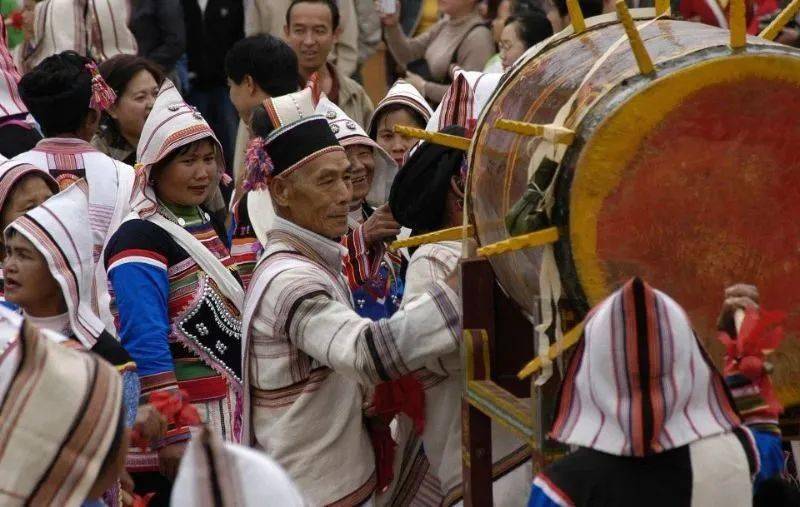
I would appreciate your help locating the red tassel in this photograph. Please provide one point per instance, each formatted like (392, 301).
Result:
(382, 444)
(175, 408)
(103, 97)
(404, 395)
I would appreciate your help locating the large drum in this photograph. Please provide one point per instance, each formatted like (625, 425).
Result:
(688, 177)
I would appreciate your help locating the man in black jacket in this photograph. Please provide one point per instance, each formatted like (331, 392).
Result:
(213, 26)
(159, 31)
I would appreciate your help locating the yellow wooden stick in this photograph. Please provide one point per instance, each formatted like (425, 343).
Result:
(555, 350)
(662, 7)
(576, 16)
(537, 238)
(554, 133)
(786, 15)
(451, 234)
(738, 24)
(451, 141)
(639, 51)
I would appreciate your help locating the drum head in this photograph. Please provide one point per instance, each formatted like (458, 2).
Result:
(692, 183)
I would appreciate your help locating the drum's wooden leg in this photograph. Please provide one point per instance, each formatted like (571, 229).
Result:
(476, 434)
(477, 279)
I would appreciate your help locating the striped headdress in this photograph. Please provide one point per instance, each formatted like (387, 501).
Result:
(171, 124)
(58, 228)
(640, 382)
(12, 171)
(464, 101)
(403, 94)
(60, 414)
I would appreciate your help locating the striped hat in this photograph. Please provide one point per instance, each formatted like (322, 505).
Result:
(464, 101)
(639, 382)
(58, 230)
(12, 172)
(404, 94)
(171, 124)
(58, 421)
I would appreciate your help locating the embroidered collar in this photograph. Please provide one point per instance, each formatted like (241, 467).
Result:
(330, 253)
(71, 144)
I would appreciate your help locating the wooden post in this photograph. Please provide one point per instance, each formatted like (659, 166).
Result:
(476, 427)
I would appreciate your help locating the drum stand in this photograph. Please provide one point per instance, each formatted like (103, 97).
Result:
(497, 343)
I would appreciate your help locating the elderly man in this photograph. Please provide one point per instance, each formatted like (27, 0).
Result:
(309, 357)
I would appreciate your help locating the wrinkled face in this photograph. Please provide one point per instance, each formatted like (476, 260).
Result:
(134, 105)
(503, 12)
(317, 196)
(511, 46)
(396, 145)
(310, 33)
(25, 195)
(188, 179)
(28, 282)
(362, 162)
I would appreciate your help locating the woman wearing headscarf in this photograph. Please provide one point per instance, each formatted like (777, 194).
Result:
(67, 443)
(178, 301)
(403, 105)
(428, 195)
(22, 188)
(49, 274)
(135, 81)
(652, 419)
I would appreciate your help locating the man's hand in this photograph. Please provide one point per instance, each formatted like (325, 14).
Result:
(416, 81)
(380, 226)
(169, 459)
(392, 19)
(737, 297)
(150, 423)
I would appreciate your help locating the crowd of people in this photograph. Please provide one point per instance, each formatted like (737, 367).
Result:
(199, 301)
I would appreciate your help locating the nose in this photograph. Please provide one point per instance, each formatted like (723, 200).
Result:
(398, 144)
(344, 193)
(10, 264)
(308, 39)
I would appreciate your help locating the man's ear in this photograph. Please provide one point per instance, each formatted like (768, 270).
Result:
(337, 33)
(286, 32)
(281, 192)
(250, 84)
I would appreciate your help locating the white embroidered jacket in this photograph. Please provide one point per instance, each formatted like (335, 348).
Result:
(308, 357)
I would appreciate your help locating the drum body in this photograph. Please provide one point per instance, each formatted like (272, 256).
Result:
(687, 177)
